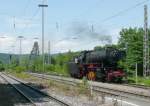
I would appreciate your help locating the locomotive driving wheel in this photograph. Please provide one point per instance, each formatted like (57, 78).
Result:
(91, 75)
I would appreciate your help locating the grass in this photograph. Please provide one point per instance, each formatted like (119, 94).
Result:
(140, 80)
(23, 75)
(81, 89)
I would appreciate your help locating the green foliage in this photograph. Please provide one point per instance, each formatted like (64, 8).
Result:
(57, 69)
(50, 67)
(35, 64)
(1, 66)
(84, 87)
(140, 81)
(60, 61)
(21, 75)
(131, 40)
(19, 69)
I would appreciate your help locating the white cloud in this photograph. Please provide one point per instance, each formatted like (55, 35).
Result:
(62, 41)
(64, 46)
(84, 41)
(115, 35)
(7, 43)
(61, 46)
(22, 22)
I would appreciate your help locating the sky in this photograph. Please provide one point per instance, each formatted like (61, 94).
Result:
(69, 24)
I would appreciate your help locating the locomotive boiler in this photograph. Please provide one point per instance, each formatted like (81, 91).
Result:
(98, 65)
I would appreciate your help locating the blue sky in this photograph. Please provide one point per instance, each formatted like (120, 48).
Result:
(74, 19)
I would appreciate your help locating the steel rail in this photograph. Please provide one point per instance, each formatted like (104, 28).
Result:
(37, 90)
(95, 88)
(137, 86)
(124, 84)
(19, 91)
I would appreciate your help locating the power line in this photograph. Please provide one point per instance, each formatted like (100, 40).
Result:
(26, 6)
(124, 11)
(89, 9)
(27, 25)
(121, 12)
(5, 14)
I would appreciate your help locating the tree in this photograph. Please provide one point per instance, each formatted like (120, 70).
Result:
(131, 40)
(1, 66)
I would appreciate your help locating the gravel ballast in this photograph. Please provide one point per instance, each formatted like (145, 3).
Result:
(69, 94)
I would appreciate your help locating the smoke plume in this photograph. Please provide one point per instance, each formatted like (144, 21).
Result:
(84, 31)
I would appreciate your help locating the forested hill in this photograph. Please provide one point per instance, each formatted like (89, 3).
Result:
(4, 58)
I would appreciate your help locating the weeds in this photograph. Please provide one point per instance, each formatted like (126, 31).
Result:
(140, 80)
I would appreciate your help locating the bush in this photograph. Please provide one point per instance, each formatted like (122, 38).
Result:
(19, 69)
(58, 68)
(50, 67)
(140, 81)
(2, 67)
(65, 69)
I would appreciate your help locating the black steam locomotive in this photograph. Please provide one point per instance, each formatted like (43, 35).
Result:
(98, 65)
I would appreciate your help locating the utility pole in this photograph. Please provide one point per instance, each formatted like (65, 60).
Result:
(92, 28)
(136, 73)
(57, 26)
(12, 52)
(49, 52)
(126, 48)
(146, 68)
(14, 24)
(43, 57)
(20, 48)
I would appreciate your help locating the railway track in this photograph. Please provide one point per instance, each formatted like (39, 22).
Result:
(124, 84)
(137, 86)
(101, 87)
(33, 95)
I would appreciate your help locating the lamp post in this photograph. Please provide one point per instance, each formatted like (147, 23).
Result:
(11, 53)
(43, 57)
(20, 48)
